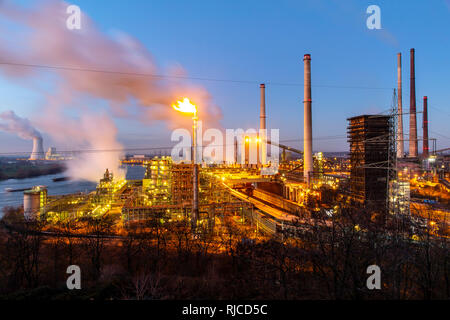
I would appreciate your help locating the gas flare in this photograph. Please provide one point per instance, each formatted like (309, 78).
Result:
(185, 106)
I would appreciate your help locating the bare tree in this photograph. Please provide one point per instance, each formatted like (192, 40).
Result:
(97, 228)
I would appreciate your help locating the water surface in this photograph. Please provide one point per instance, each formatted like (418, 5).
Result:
(54, 188)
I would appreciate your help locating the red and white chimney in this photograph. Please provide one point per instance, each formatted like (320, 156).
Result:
(412, 110)
(425, 147)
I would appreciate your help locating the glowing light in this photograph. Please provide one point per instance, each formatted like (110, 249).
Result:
(185, 106)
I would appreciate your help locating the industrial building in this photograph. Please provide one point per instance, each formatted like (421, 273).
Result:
(368, 136)
(297, 192)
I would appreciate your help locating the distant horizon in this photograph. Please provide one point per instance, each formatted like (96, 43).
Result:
(180, 42)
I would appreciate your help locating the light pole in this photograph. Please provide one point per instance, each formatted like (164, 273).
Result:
(186, 106)
(195, 173)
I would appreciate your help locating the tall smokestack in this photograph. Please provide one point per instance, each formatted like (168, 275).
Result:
(426, 149)
(235, 150)
(400, 144)
(38, 149)
(262, 124)
(307, 121)
(412, 111)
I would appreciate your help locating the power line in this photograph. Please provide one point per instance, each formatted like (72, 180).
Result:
(68, 68)
(163, 147)
(337, 137)
(439, 134)
(437, 109)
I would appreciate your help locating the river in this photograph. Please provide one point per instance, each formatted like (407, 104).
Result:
(54, 188)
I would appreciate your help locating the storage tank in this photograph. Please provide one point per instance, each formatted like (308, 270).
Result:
(33, 200)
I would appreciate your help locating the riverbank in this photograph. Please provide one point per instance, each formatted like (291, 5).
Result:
(23, 169)
(15, 199)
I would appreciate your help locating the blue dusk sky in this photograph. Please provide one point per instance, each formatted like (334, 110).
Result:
(354, 69)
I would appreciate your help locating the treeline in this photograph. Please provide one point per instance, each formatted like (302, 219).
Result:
(26, 169)
(156, 260)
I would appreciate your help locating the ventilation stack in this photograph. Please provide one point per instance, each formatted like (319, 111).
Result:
(412, 110)
(262, 124)
(400, 144)
(307, 121)
(235, 150)
(38, 149)
(426, 150)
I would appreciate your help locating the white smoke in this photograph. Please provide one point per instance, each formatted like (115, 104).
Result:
(22, 127)
(96, 134)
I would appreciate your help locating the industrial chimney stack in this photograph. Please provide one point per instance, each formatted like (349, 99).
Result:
(426, 149)
(307, 118)
(262, 124)
(38, 149)
(400, 143)
(412, 110)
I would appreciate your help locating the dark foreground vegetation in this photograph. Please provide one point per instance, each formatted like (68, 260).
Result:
(167, 262)
(21, 169)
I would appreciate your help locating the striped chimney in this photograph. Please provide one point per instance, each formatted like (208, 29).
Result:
(412, 110)
(426, 149)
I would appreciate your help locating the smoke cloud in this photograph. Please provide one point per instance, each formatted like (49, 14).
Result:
(95, 133)
(114, 69)
(12, 123)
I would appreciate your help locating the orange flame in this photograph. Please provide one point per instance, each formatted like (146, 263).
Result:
(185, 106)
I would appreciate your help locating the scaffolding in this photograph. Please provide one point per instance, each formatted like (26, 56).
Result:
(374, 175)
(398, 199)
(370, 153)
(182, 182)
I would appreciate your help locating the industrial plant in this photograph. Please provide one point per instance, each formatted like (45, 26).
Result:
(377, 176)
(268, 214)
(235, 158)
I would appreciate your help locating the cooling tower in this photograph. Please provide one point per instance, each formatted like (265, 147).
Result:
(307, 121)
(412, 110)
(426, 150)
(38, 149)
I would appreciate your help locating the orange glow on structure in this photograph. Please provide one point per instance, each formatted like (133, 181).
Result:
(185, 106)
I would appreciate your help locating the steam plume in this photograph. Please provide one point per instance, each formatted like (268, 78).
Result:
(14, 124)
(48, 42)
